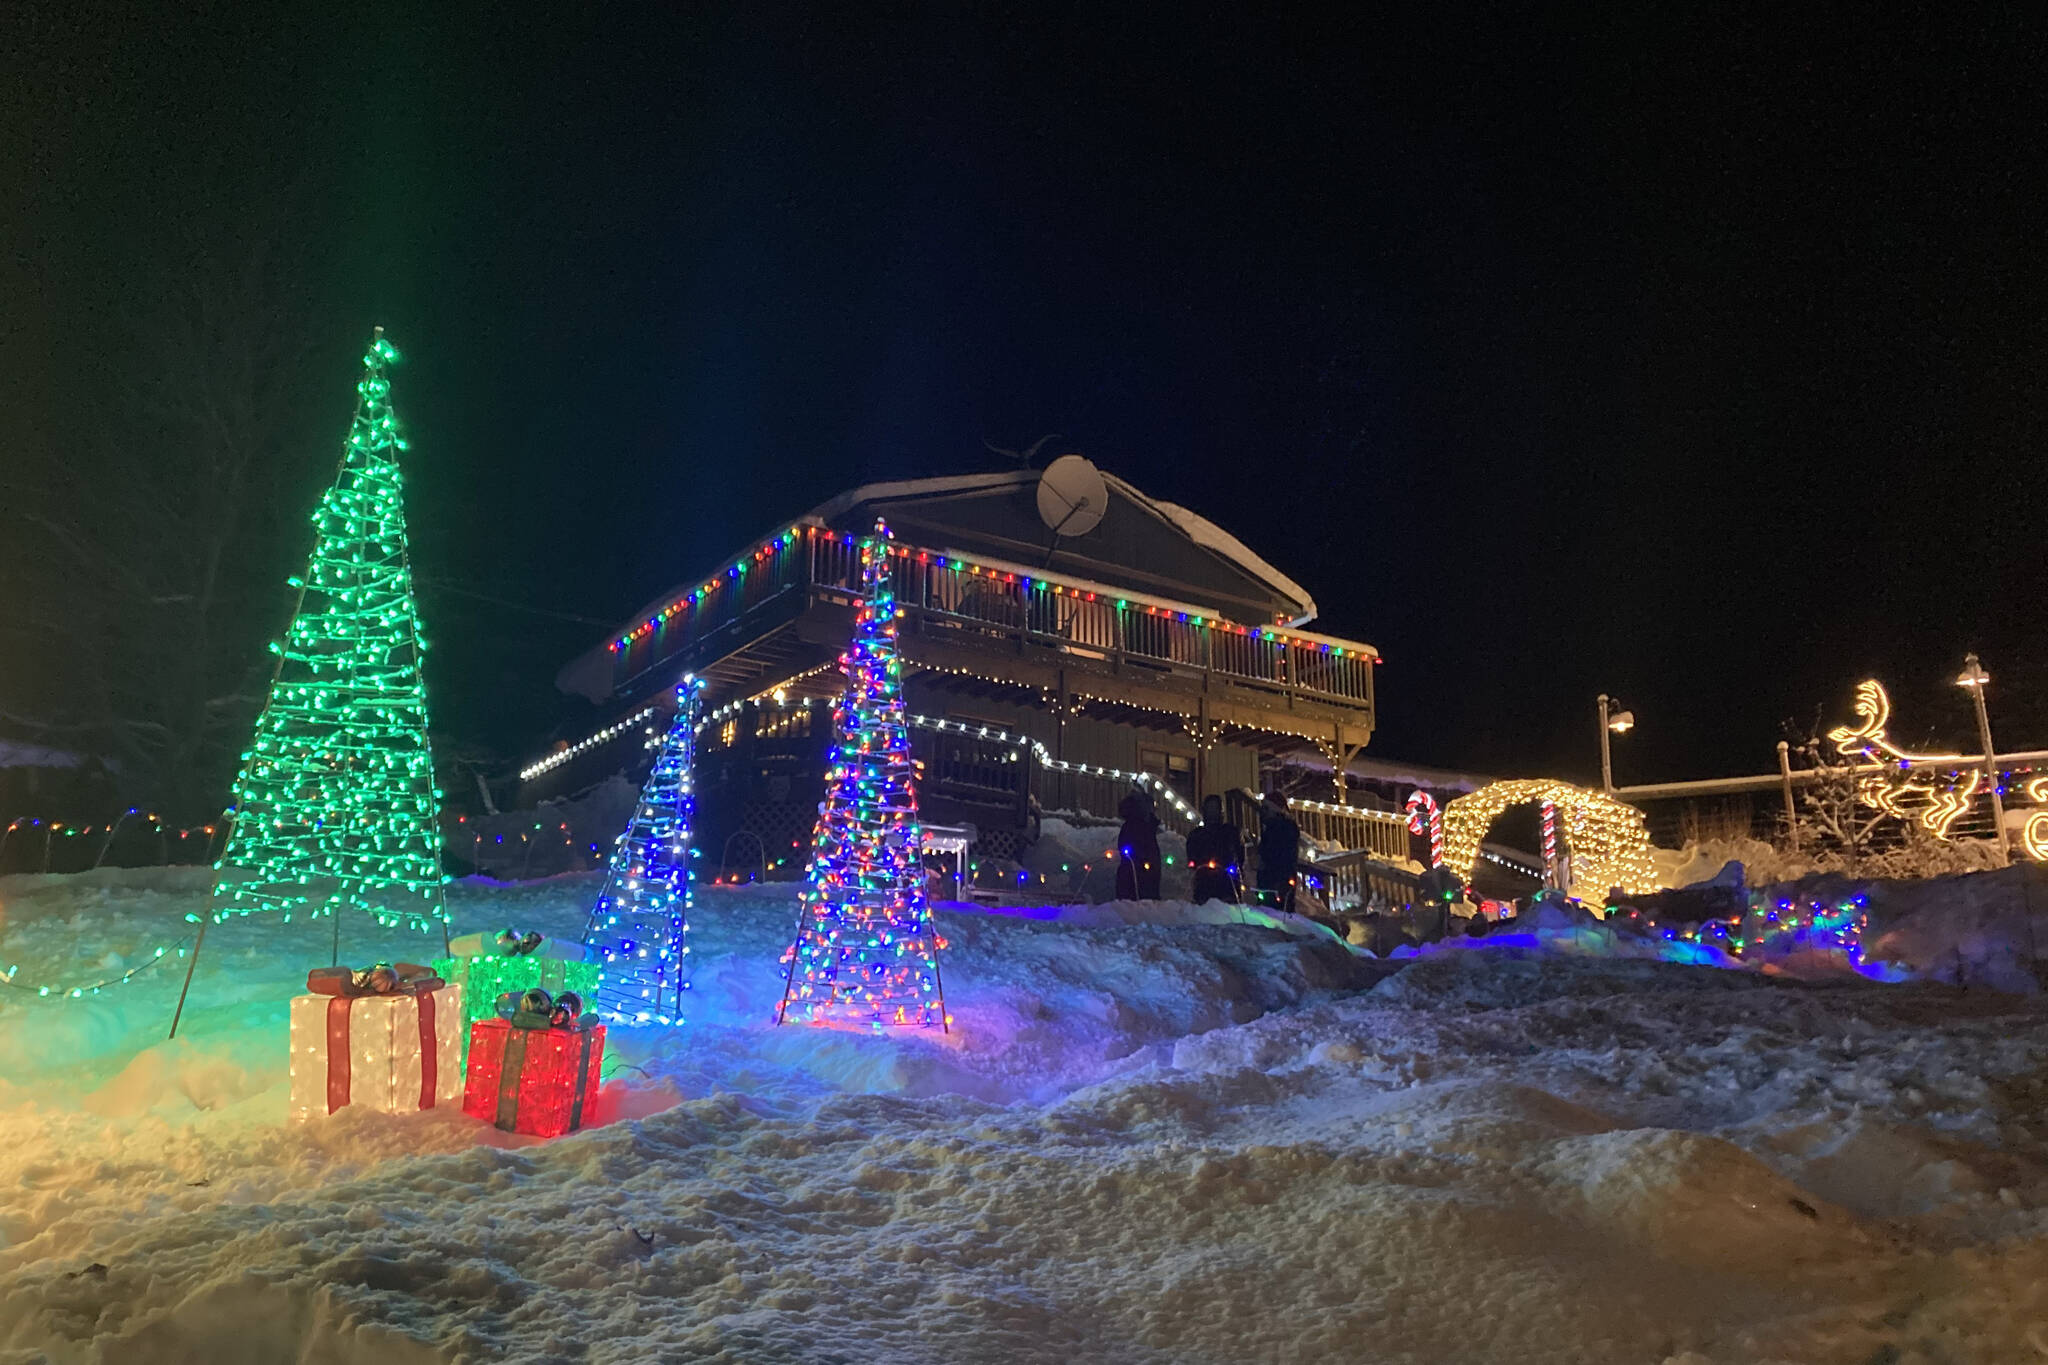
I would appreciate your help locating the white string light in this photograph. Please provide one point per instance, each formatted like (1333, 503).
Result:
(1045, 759)
(604, 736)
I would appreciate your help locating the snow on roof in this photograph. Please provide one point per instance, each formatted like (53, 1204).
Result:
(1193, 525)
(1215, 539)
(916, 488)
(14, 755)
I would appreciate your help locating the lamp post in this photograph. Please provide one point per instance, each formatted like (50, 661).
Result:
(1611, 722)
(1974, 678)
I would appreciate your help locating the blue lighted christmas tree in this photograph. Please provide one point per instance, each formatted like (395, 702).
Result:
(641, 921)
(865, 949)
(335, 805)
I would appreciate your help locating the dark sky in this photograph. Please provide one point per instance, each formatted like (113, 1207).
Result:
(1693, 358)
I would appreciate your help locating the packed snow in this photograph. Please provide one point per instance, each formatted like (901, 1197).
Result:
(1147, 1139)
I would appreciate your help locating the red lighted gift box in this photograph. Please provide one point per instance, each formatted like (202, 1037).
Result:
(538, 1081)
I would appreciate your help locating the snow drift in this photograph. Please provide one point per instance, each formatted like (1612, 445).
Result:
(1145, 1141)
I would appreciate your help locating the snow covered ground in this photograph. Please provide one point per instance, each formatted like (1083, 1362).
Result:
(1145, 1141)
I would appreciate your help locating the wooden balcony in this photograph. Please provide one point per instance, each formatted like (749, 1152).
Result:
(790, 608)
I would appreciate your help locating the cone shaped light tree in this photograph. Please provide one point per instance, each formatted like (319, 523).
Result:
(335, 806)
(641, 921)
(865, 950)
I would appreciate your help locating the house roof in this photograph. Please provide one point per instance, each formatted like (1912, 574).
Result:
(1196, 527)
(1143, 546)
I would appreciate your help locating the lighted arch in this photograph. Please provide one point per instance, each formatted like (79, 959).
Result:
(1608, 843)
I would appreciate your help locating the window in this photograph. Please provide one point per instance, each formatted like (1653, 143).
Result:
(1177, 770)
(783, 723)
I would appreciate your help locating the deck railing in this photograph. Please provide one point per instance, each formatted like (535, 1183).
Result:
(944, 597)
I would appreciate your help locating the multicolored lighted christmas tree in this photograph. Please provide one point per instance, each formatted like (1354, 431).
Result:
(641, 921)
(865, 949)
(335, 806)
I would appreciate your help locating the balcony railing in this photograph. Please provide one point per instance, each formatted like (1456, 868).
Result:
(945, 598)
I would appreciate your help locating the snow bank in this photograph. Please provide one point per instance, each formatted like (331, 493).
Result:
(1145, 1141)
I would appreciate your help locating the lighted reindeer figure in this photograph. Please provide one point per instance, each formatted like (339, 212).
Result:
(1936, 803)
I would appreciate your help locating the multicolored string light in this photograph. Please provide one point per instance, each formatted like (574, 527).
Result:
(865, 950)
(1775, 928)
(335, 805)
(736, 572)
(641, 922)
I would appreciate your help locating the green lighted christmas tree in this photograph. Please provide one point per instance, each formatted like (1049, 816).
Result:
(335, 805)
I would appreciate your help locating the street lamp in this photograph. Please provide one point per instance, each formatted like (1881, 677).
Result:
(1611, 722)
(1974, 678)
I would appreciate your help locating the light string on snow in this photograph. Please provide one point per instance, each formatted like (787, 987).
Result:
(866, 951)
(1608, 843)
(335, 805)
(1426, 817)
(640, 923)
(58, 829)
(11, 977)
(532, 843)
(1775, 927)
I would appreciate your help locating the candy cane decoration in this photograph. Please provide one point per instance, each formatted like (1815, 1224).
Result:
(1424, 816)
(1550, 842)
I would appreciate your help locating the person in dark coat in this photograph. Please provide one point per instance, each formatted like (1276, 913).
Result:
(1279, 852)
(1215, 856)
(1138, 866)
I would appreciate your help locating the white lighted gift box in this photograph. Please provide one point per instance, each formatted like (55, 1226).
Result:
(393, 1053)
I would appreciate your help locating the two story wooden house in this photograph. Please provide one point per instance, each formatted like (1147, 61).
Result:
(1044, 673)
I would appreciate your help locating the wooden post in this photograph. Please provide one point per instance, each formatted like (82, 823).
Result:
(1785, 786)
(1062, 704)
(1340, 755)
(191, 967)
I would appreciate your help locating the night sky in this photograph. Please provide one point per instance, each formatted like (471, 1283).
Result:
(1694, 359)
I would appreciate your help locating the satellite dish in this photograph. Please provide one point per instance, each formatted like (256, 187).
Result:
(1072, 496)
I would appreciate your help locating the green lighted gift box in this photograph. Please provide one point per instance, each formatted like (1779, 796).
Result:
(485, 977)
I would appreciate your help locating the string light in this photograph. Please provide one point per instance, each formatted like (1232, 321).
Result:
(339, 784)
(1151, 781)
(11, 978)
(583, 746)
(734, 574)
(865, 950)
(1610, 846)
(57, 829)
(1773, 928)
(1385, 817)
(641, 921)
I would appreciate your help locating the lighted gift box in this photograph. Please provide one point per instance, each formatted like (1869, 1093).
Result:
(392, 1053)
(538, 1081)
(486, 974)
